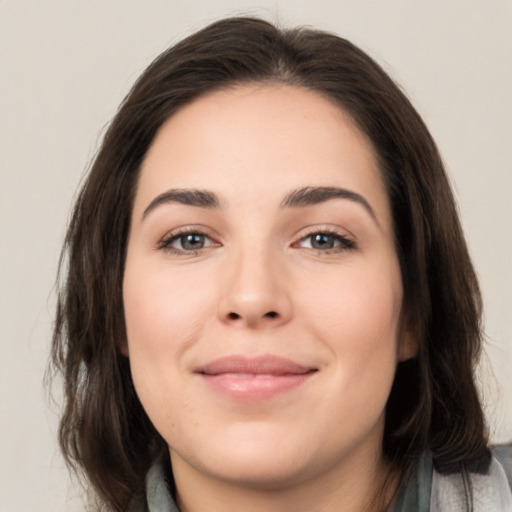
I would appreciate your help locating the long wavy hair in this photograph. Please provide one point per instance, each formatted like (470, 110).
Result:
(434, 405)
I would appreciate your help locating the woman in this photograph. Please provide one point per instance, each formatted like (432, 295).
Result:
(268, 301)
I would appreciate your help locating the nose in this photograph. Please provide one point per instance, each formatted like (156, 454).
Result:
(255, 293)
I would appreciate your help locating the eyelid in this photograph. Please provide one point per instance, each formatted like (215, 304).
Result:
(164, 243)
(346, 239)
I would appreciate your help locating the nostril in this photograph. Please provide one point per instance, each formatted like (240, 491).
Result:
(269, 314)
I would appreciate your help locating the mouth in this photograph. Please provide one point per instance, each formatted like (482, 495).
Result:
(254, 379)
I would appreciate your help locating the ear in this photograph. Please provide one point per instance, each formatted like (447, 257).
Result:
(123, 348)
(408, 345)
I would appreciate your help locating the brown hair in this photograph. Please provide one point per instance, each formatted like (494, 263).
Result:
(434, 405)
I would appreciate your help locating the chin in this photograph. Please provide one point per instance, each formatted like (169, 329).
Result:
(275, 471)
(255, 456)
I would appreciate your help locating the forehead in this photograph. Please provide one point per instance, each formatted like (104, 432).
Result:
(258, 140)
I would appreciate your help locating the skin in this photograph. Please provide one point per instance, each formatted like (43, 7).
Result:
(259, 286)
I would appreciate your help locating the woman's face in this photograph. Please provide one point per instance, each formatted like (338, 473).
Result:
(262, 290)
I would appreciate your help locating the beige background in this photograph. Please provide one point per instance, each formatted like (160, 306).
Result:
(65, 66)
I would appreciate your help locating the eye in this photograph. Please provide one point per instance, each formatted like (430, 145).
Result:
(186, 242)
(326, 242)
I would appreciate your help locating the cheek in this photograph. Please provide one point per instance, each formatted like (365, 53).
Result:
(356, 314)
(164, 309)
(165, 313)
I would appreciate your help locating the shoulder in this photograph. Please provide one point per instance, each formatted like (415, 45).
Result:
(503, 454)
(481, 492)
(158, 497)
(425, 489)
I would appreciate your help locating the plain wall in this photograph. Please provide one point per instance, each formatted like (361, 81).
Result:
(66, 65)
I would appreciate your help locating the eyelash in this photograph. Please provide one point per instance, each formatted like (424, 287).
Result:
(344, 242)
(166, 243)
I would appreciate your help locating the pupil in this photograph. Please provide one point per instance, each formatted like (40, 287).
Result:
(193, 241)
(323, 242)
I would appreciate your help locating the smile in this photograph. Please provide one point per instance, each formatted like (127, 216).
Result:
(254, 379)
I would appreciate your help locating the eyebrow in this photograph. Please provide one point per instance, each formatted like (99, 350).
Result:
(308, 196)
(299, 198)
(189, 197)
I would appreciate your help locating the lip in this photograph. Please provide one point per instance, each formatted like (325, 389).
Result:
(254, 379)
